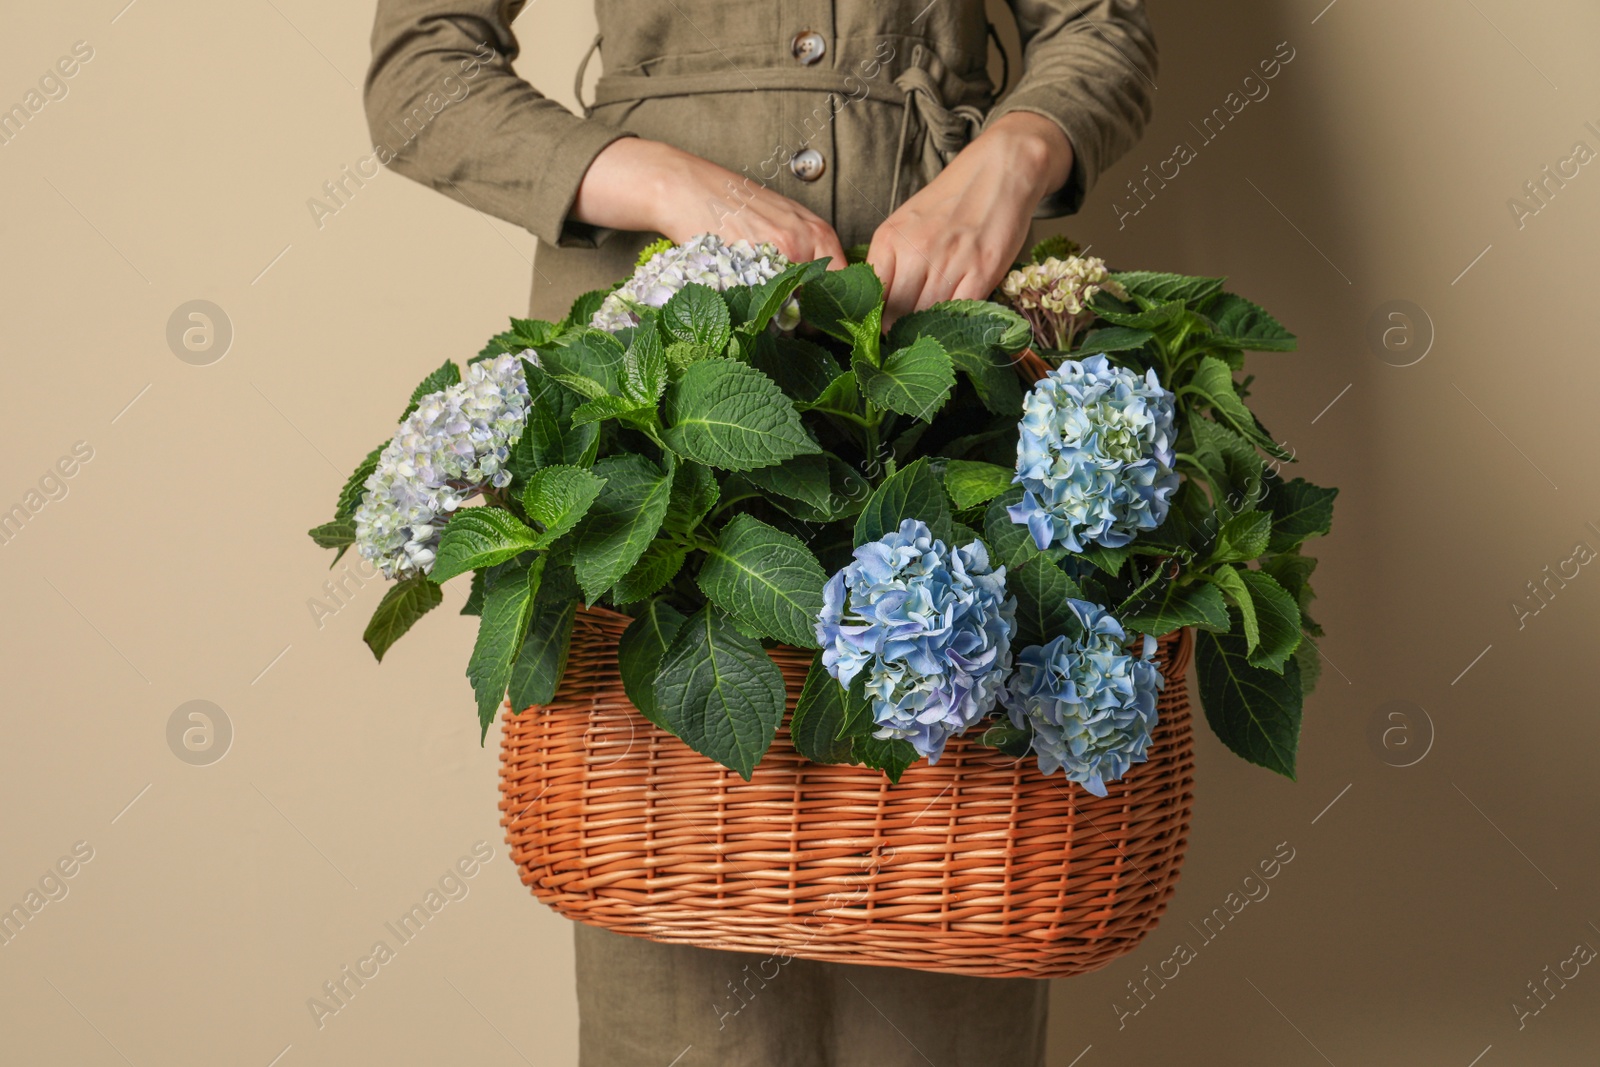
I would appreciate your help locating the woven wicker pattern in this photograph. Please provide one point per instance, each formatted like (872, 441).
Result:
(979, 865)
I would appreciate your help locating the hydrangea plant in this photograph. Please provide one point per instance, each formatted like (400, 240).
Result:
(966, 549)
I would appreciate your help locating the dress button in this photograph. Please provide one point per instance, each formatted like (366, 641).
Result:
(808, 165)
(808, 46)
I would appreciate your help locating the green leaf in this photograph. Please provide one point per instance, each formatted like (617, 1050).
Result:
(549, 438)
(818, 488)
(1042, 590)
(1241, 324)
(801, 369)
(1310, 664)
(1213, 383)
(694, 494)
(1231, 465)
(841, 396)
(970, 484)
(767, 299)
(1228, 580)
(622, 521)
(1010, 543)
(1242, 537)
(1119, 313)
(590, 390)
(557, 498)
(914, 380)
(406, 601)
(697, 314)
(659, 564)
(335, 534)
(1113, 339)
(767, 579)
(1255, 712)
(1171, 606)
(585, 356)
(819, 718)
(477, 538)
(1014, 741)
(605, 407)
(840, 299)
(355, 485)
(447, 375)
(474, 604)
(507, 607)
(639, 654)
(891, 755)
(729, 415)
(681, 355)
(1293, 572)
(644, 365)
(982, 339)
(1109, 560)
(719, 692)
(1299, 510)
(1056, 246)
(582, 311)
(912, 492)
(534, 333)
(1155, 288)
(1277, 616)
(543, 659)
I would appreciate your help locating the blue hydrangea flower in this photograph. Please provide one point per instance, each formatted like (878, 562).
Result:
(1094, 456)
(1091, 704)
(704, 259)
(930, 626)
(447, 451)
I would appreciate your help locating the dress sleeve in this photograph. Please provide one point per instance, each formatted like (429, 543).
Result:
(1090, 68)
(442, 97)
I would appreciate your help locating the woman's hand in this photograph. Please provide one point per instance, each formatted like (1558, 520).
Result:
(956, 238)
(635, 184)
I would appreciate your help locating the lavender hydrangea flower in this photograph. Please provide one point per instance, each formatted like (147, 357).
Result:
(448, 450)
(704, 259)
(1095, 455)
(930, 626)
(1091, 704)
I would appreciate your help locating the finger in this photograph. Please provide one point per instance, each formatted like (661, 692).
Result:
(910, 278)
(880, 257)
(834, 248)
(940, 285)
(972, 287)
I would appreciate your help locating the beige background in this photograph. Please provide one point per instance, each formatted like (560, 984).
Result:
(179, 166)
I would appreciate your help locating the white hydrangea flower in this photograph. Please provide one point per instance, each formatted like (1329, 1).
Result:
(1054, 295)
(451, 448)
(704, 259)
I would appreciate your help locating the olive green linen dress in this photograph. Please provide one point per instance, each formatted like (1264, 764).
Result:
(848, 107)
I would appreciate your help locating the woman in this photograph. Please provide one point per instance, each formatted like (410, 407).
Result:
(816, 125)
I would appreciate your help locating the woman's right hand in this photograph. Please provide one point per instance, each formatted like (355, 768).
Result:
(648, 186)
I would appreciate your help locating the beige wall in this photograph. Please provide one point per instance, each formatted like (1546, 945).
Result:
(175, 568)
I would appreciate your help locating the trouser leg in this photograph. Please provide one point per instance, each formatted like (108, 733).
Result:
(889, 1017)
(647, 1004)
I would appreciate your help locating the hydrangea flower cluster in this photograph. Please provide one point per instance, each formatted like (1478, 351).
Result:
(1092, 706)
(1054, 295)
(930, 626)
(1094, 455)
(452, 447)
(704, 259)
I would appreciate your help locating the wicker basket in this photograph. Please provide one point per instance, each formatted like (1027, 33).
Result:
(978, 865)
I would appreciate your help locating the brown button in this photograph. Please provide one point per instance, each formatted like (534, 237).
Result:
(808, 46)
(808, 165)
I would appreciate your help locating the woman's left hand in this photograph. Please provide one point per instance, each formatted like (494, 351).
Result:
(956, 238)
